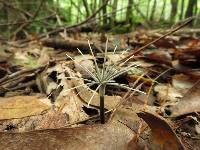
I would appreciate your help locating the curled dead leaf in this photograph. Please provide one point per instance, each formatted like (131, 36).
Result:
(162, 135)
(189, 103)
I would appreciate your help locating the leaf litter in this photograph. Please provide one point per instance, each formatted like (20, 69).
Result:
(42, 98)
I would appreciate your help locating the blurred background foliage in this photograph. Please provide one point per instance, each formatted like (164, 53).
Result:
(19, 18)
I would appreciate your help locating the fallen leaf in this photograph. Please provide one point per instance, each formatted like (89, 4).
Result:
(182, 82)
(58, 87)
(162, 135)
(53, 119)
(70, 103)
(160, 56)
(189, 103)
(110, 136)
(21, 106)
(83, 63)
(44, 57)
(167, 93)
(185, 70)
(114, 58)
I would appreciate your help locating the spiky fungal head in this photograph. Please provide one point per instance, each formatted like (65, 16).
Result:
(104, 76)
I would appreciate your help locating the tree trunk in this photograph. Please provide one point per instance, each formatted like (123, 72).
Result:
(94, 6)
(146, 23)
(114, 9)
(86, 8)
(195, 14)
(190, 9)
(182, 10)
(99, 3)
(174, 6)
(148, 8)
(104, 13)
(162, 15)
(196, 9)
(69, 12)
(153, 10)
(129, 12)
(78, 14)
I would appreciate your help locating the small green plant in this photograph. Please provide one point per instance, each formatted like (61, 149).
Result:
(104, 76)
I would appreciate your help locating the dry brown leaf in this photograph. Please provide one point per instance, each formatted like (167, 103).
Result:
(182, 82)
(167, 93)
(44, 57)
(21, 106)
(185, 70)
(160, 56)
(70, 104)
(162, 135)
(114, 58)
(52, 120)
(110, 136)
(128, 116)
(67, 101)
(83, 62)
(189, 103)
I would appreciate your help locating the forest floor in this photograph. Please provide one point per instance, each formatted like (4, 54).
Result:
(47, 101)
